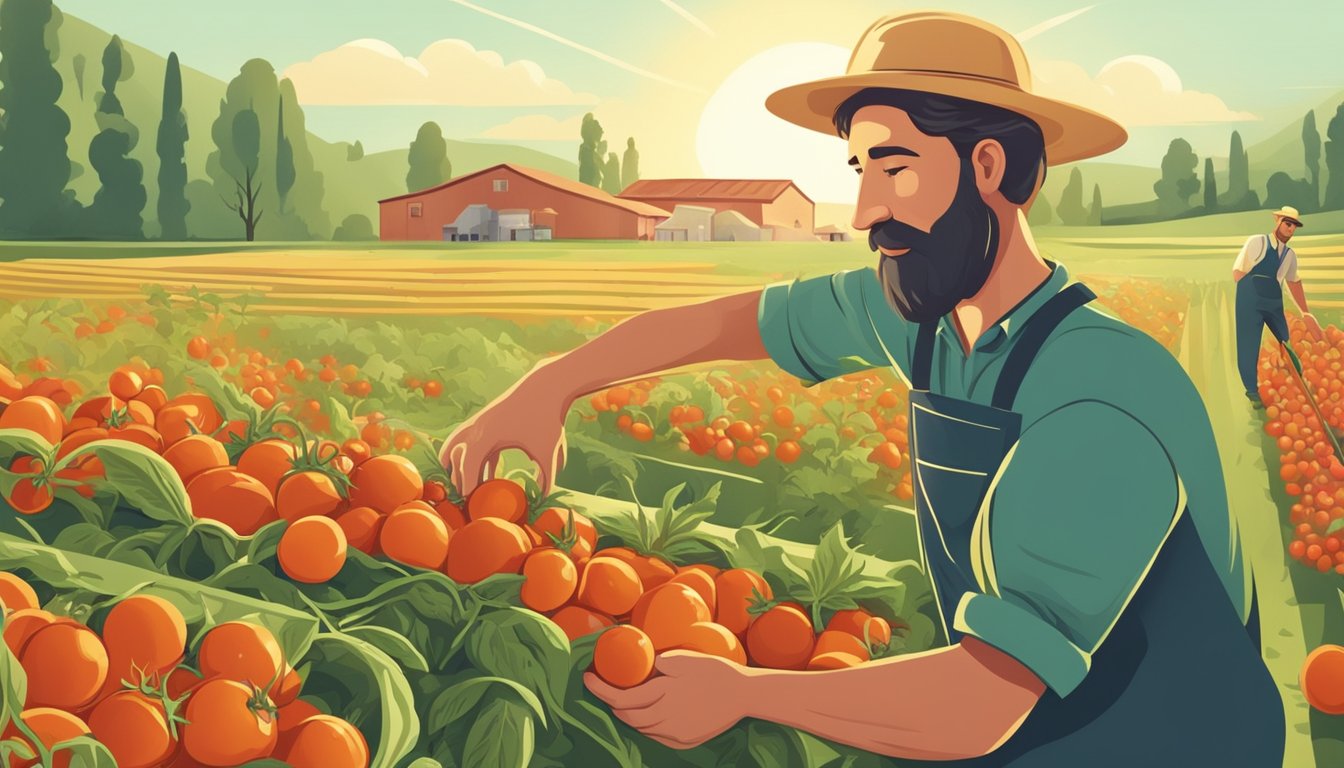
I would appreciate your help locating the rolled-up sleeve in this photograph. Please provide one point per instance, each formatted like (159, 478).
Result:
(824, 327)
(1291, 272)
(1074, 521)
(1243, 261)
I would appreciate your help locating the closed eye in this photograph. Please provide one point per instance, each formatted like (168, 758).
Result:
(894, 171)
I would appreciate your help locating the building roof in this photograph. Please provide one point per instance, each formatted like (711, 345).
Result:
(550, 180)
(830, 229)
(762, 191)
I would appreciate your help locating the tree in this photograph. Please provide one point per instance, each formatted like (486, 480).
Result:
(1210, 188)
(611, 175)
(629, 164)
(79, 64)
(1311, 143)
(1285, 190)
(1040, 213)
(428, 159)
(246, 137)
(34, 156)
(355, 227)
(1094, 213)
(308, 215)
(119, 204)
(1070, 209)
(284, 159)
(1334, 161)
(1178, 180)
(173, 135)
(355, 152)
(590, 159)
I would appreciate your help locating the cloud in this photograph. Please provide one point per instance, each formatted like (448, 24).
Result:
(613, 114)
(1135, 90)
(447, 73)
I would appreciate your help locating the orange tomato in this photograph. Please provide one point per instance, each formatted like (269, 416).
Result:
(30, 495)
(35, 414)
(451, 513)
(142, 633)
(312, 550)
(242, 652)
(385, 483)
(700, 581)
(237, 500)
(552, 522)
(268, 461)
(66, 666)
(208, 418)
(623, 656)
(307, 494)
(609, 585)
(287, 688)
(362, 526)
(226, 726)
(323, 741)
(734, 595)
(781, 638)
(1322, 679)
(715, 640)
(837, 641)
(666, 613)
(415, 536)
(125, 383)
(855, 621)
(22, 624)
(291, 715)
(576, 621)
(134, 728)
(549, 580)
(153, 396)
(833, 660)
(51, 726)
(194, 454)
(501, 498)
(652, 571)
(198, 348)
(485, 547)
(15, 593)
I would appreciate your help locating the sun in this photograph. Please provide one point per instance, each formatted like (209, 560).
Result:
(739, 139)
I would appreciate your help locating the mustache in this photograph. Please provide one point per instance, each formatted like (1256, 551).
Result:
(895, 235)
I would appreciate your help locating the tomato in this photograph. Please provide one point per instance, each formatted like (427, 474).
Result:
(734, 588)
(237, 500)
(700, 581)
(125, 383)
(1322, 679)
(838, 641)
(358, 450)
(182, 680)
(385, 483)
(788, 451)
(549, 580)
(667, 612)
(609, 585)
(153, 396)
(485, 547)
(30, 495)
(195, 454)
(307, 494)
(143, 633)
(623, 656)
(208, 418)
(715, 640)
(415, 536)
(295, 712)
(781, 638)
(500, 498)
(134, 728)
(51, 726)
(552, 521)
(139, 434)
(177, 421)
(312, 550)
(323, 741)
(362, 527)
(22, 624)
(433, 388)
(577, 622)
(15, 593)
(452, 514)
(66, 666)
(855, 621)
(653, 571)
(833, 660)
(268, 461)
(228, 724)
(36, 414)
(286, 690)
(198, 348)
(242, 652)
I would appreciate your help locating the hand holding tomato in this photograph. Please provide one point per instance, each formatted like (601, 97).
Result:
(695, 698)
(529, 416)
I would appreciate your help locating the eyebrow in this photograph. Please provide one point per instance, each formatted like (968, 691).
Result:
(877, 153)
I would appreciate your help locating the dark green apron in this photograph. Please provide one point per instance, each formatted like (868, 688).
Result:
(1259, 304)
(1177, 682)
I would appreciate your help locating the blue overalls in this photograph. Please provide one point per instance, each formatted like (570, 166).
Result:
(1178, 681)
(1259, 304)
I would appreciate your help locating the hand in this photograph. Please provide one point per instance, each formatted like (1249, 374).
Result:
(696, 698)
(529, 417)
(1313, 326)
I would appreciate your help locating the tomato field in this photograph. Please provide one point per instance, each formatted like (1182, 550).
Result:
(254, 487)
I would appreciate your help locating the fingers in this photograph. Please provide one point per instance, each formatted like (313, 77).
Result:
(675, 663)
(639, 697)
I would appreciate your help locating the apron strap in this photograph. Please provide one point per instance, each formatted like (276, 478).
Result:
(923, 362)
(1034, 335)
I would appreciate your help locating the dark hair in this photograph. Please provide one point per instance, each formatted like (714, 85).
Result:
(965, 123)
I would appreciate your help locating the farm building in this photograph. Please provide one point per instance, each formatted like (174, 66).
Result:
(733, 226)
(833, 234)
(776, 204)
(513, 202)
(688, 222)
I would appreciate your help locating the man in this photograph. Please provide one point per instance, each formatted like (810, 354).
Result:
(1263, 266)
(1072, 512)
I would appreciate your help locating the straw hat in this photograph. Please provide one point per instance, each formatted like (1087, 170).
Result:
(1290, 213)
(951, 55)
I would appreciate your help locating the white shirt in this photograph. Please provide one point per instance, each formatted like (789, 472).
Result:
(1256, 248)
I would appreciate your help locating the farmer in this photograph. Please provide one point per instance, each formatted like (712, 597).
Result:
(1268, 262)
(1087, 576)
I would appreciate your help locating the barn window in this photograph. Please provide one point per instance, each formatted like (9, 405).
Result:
(501, 185)
(417, 210)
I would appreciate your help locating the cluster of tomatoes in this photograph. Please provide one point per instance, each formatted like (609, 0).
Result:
(113, 317)
(1149, 305)
(1309, 469)
(132, 689)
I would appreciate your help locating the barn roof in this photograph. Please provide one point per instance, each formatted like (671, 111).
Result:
(762, 191)
(550, 180)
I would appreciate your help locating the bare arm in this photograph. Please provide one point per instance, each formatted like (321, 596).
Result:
(1299, 296)
(1237, 275)
(958, 702)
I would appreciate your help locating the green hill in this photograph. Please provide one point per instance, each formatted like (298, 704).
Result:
(351, 187)
(1283, 151)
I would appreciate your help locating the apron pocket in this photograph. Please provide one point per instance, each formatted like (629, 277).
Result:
(954, 497)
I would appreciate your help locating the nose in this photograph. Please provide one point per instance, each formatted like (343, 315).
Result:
(866, 218)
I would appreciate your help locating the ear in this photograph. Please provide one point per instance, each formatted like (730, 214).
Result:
(989, 162)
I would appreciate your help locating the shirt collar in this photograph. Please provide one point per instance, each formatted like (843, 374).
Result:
(1278, 247)
(1014, 319)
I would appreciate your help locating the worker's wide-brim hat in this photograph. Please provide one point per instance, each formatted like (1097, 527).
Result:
(1290, 213)
(950, 55)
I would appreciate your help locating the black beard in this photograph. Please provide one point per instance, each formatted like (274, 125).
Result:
(945, 266)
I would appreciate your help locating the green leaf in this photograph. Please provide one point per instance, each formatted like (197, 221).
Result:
(460, 699)
(144, 479)
(13, 683)
(16, 441)
(425, 762)
(85, 752)
(393, 644)
(231, 402)
(522, 646)
(400, 724)
(502, 737)
(342, 428)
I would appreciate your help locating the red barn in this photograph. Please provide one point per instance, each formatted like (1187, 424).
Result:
(777, 203)
(513, 202)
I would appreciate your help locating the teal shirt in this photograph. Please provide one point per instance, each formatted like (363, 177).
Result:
(1115, 445)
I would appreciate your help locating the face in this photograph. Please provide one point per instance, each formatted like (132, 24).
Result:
(925, 216)
(1286, 229)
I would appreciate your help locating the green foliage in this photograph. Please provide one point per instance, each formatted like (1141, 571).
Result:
(355, 227)
(428, 159)
(1210, 188)
(590, 154)
(116, 212)
(355, 152)
(173, 134)
(1282, 189)
(78, 65)
(285, 174)
(1070, 209)
(1334, 162)
(1094, 213)
(611, 175)
(1311, 145)
(629, 164)
(1178, 180)
(1041, 212)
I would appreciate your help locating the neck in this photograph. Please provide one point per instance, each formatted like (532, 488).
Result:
(1018, 270)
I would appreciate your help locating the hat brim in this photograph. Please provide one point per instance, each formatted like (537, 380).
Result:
(1298, 222)
(1071, 132)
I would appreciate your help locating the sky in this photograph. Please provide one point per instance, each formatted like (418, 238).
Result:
(686, 78)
